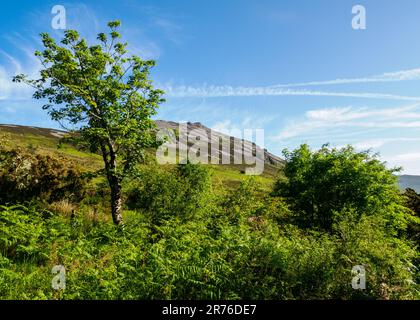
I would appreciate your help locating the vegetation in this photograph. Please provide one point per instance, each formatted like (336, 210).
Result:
(26, 175)
(320, 185)
(190, 231)
(108, 95)
(186, 236)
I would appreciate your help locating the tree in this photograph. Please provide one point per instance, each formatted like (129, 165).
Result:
(106, 94)
(321, 185)
(413, 202)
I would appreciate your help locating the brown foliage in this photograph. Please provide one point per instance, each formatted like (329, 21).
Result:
(27, 175)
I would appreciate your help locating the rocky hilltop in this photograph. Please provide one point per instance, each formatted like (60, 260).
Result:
(269, 157)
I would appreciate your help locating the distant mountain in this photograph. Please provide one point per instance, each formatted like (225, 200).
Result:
(48, 141)
(273, 162)
(35, 131)
(269, 158)
(409, 181)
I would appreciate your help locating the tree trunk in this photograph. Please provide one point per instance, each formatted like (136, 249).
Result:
(116, 201)
(114, 183)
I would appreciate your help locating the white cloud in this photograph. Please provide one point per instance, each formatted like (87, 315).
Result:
(402, 75)
(14, 62)
(347, 117)
(81, 17)
(349, 113)
(248, 123)
(284, 89)
(414, 156)
(12, 66)
(226, 127)
(379, 142)
(22, 61)
(229, 91)
(388, 130)
(408, 161)
(370, 144)
(172, 30)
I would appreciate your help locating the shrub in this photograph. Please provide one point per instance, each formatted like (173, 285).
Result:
(388, 261)
(22, 234)
(183, 241)
(27, 175)
(181, 259)
(413, 203)
(320, 184)
(161, 193)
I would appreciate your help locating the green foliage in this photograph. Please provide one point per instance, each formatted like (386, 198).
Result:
(100, 88)
(21, 232)
(187, 260)
(182, 191)
(182, 239)
(319, 185)
(104, 92)
(413, 202)
(389, 261)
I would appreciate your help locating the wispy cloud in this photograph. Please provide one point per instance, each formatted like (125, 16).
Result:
(226, 127)
(89, 23)
(172, 30)
(413, 156)
(229, 91)
(285, 89)
(155, 18)
(379, 142)
(13, 65)
(347, 117)
(402, 75)
(13, 61)
(230, 127)
(409, 161)
(23, 60)
(79, 16)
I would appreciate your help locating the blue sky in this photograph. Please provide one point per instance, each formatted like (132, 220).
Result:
(296, 68)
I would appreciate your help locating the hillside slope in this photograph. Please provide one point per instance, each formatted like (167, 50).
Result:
(270, 159)
(409, 181)
(49, 140)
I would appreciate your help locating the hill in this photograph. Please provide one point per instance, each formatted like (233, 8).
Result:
(270, 159)
(50, 140)
(183, 238)
(409, 181)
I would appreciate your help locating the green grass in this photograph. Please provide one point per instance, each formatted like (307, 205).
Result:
(229, 175)
(184, 240)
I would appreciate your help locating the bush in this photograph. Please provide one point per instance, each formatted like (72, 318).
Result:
(319, 185)
(22, 234)
(183, 241)
(390, 272)
(182, 191)
(413, 203)
(27, 175)
(187, 260)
